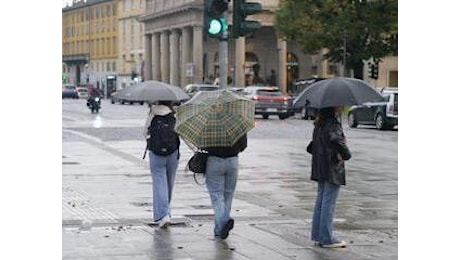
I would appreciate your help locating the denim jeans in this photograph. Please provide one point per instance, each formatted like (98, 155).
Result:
(163, 170)
(322, 224)
(221, 177)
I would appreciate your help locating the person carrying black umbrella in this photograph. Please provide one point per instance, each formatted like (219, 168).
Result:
(329, 151)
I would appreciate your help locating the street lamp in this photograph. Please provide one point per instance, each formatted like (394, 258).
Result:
(87, 73)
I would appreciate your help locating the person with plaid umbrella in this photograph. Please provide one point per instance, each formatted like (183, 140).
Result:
(221, 177)
(217, 122)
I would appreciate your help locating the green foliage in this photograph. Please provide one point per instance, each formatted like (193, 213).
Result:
(370, 28)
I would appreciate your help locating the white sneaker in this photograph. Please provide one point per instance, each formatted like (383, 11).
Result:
(336, 245)
(164, 222)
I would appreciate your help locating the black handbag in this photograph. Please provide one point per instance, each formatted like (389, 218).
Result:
(197, 163)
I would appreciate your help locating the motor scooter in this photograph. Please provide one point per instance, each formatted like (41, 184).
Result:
(94, 104)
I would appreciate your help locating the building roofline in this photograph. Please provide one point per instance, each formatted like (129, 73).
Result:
(82, 4)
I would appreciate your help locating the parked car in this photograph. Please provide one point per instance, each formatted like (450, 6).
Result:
(297, 87)
(118, 96)
(82, 92)
(192, 89)
(384, 115)
(269, 101)
(69, 91)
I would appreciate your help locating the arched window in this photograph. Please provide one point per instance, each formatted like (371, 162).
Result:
(252, 69)
(292, 69)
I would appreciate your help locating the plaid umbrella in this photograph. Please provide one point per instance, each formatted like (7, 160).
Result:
(215, 118)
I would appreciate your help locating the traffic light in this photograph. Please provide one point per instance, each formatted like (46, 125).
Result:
(241, 26)
(373, 71)
(214, 21)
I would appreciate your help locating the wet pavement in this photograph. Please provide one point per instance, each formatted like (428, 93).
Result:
(107, 194)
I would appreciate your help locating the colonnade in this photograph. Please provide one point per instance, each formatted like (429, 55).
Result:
(175, 56)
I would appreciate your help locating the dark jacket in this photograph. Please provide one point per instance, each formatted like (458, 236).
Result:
(328, 142)
(228, 151)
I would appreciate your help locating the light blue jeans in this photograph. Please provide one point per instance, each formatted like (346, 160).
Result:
(163, 170)
(322, 224)
(221, 177)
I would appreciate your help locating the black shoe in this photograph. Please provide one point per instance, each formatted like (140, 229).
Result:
(227, 228)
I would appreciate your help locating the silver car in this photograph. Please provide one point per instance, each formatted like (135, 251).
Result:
(192, 89)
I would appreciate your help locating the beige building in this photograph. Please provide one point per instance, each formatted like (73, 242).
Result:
(130, 42)
(90, 44)
(179, 52)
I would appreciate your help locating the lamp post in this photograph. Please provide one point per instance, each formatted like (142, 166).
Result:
(87, 73)
(344, 36)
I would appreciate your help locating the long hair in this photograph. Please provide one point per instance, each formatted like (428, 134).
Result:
(323, 114)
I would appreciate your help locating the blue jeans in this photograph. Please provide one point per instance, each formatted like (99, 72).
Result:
(163, 170)
(221, 177)
(322, 230)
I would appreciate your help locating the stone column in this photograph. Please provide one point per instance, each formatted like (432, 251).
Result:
(165, 56)
(174, 52)
(186, 57)
(148, 57)
(156, 57)
(198, 54)
(282, 58)
(240, 50)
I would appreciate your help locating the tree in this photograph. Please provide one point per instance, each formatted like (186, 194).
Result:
(368, 29)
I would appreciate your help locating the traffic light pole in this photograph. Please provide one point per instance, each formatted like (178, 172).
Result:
(223, 56)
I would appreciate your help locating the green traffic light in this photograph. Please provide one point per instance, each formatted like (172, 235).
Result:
(215, 26)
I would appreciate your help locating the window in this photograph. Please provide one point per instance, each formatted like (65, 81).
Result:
(332, 69)
(314, 70)
(114, 67)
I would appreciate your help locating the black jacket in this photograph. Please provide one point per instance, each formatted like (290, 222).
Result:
(328, 142)
(229, 151)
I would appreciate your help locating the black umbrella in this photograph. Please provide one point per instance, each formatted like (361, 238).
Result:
(338, 91)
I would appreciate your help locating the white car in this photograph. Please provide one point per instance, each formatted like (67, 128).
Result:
(82, 92)
(192, 89)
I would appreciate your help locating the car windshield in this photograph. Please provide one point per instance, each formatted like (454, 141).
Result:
(268, 92)
(69, 87)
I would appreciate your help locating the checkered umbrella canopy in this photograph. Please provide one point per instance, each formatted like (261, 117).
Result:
(215, 118)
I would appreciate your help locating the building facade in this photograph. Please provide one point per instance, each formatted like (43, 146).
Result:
(133, 40)
(130, 42)
(90, 44)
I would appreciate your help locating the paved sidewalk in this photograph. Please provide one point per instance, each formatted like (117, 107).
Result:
(106, 205)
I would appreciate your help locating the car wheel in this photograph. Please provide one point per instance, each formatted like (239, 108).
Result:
(131, 103)
(265, 116)
(122, 102)
(141, 103)
(379, 123)
(282, 117)
(112, 101)
(352, 122)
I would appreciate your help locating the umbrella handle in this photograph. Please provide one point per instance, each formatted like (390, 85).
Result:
(145, 152)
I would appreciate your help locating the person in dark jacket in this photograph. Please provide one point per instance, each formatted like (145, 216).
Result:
(329, 151)
(221, 176)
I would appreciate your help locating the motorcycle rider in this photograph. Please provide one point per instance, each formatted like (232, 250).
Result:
(93, 93)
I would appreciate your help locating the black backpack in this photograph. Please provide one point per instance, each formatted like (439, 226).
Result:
(163, 139)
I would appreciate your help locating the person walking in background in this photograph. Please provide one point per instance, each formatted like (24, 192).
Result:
(221, 177)
(329, 151)
(163, 146)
